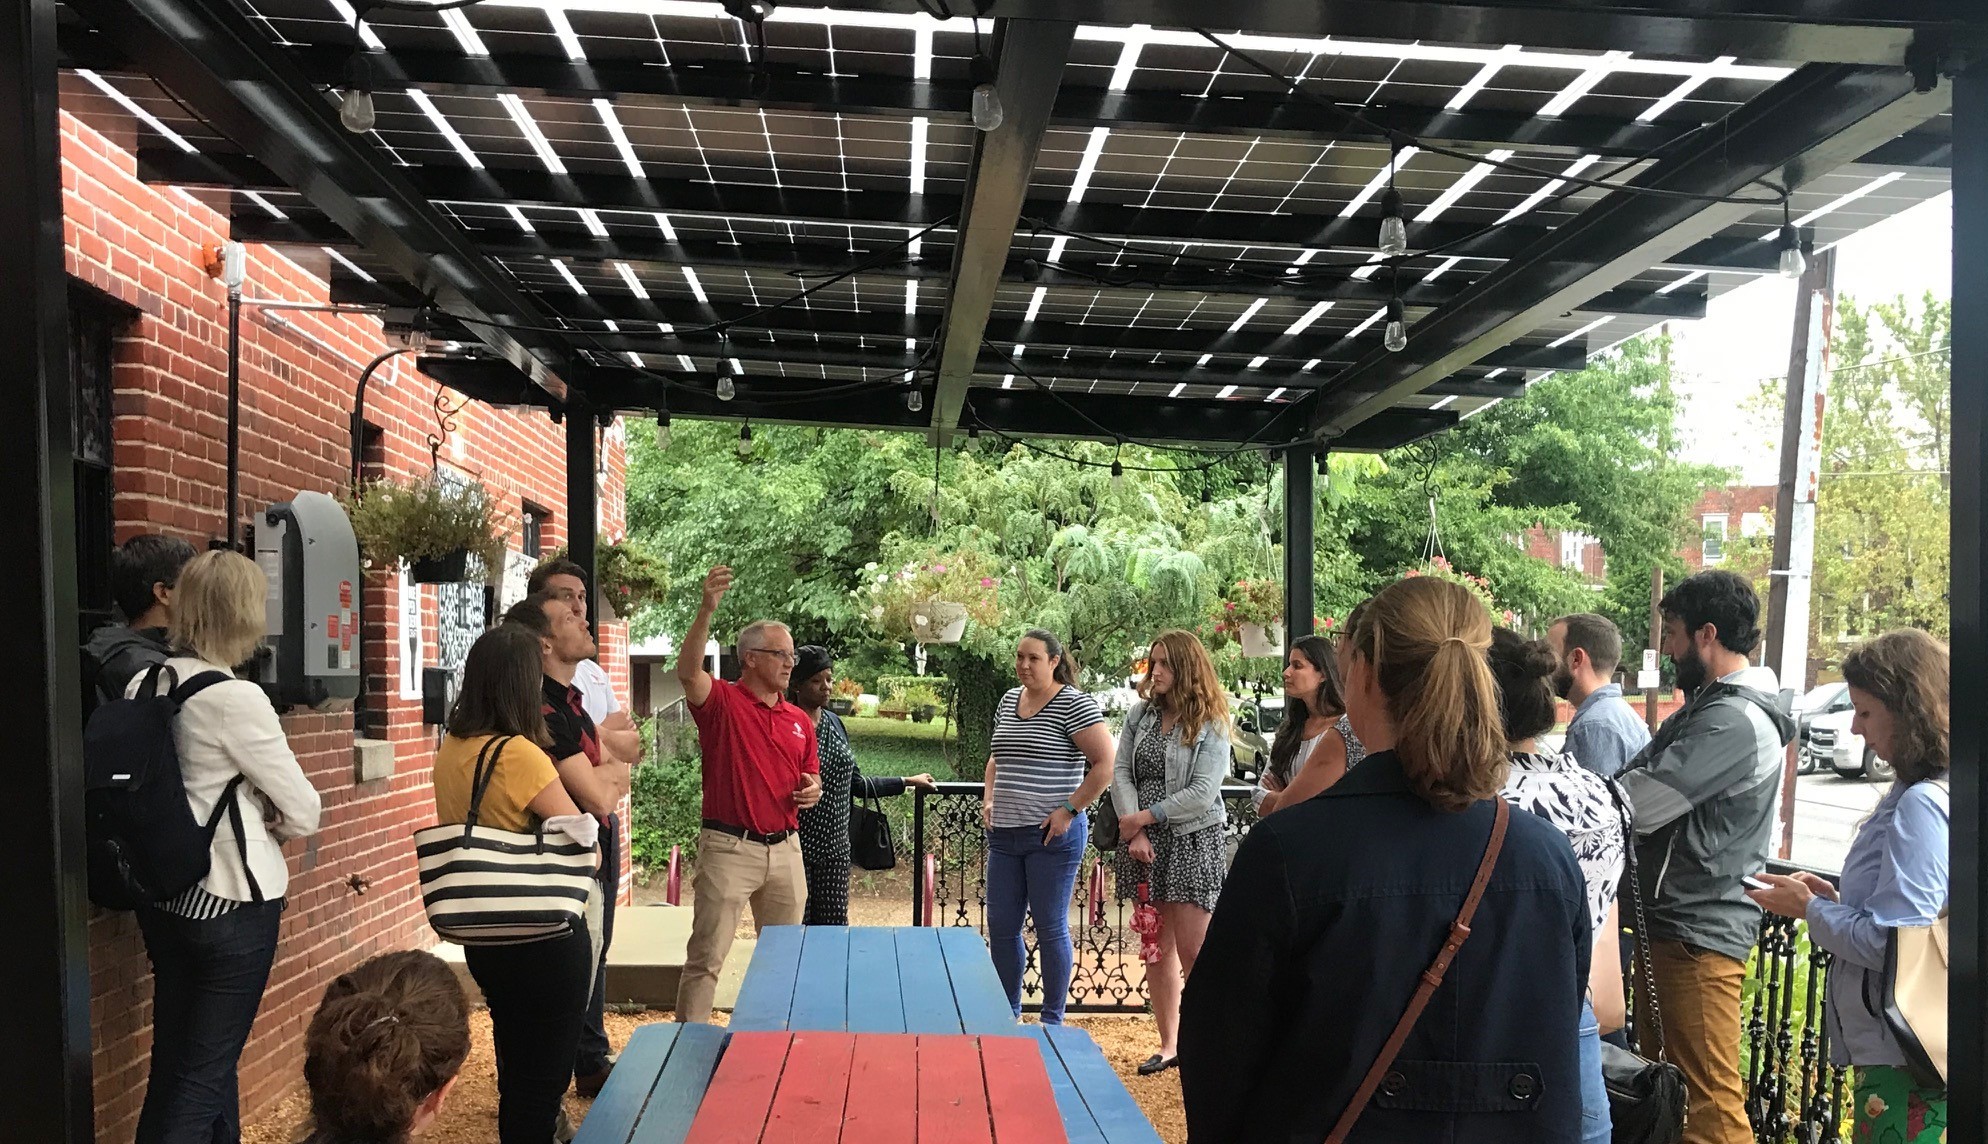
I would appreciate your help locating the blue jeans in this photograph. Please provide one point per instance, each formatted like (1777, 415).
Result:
(1596, 1126)
(1026, 874)
(207, 983)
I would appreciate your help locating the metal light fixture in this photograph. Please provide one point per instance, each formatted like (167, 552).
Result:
(1396, 338)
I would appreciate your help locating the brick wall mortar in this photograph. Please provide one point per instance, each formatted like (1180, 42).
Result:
(359, 896)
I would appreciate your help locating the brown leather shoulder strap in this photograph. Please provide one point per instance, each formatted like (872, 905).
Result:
(1431, 978)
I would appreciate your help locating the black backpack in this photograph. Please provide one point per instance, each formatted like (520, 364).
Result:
(145, 845)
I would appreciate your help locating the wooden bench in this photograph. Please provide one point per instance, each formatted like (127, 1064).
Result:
(871, 979)
(820, 1087)
(656, 1086)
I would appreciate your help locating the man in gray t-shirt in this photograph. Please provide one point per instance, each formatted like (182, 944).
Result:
(1605, 732)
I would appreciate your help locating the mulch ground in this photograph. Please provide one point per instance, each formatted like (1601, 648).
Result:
(471, 1114)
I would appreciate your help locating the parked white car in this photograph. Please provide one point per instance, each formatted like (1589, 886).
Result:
(1831, 743)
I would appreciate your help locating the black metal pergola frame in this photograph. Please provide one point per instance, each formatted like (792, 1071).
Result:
(1867, 76)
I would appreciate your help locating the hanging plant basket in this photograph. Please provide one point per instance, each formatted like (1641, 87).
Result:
(939, 622)
(1263, 639)
(451, 568)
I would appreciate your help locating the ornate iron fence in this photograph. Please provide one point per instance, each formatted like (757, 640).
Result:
(1794, 1095)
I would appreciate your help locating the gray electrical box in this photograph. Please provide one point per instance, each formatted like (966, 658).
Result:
(307, 551)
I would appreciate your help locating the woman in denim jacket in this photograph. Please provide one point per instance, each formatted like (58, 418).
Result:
(1167, 787)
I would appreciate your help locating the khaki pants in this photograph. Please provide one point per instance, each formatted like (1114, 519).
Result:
(1698, 992)
(730, 873)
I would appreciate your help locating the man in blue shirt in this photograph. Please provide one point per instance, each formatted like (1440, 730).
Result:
(1605, 732)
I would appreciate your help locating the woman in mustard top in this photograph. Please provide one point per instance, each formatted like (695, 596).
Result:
(537, 992)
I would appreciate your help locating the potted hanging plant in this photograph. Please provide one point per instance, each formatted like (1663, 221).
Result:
(847, 692)
(1253, 612)
(631, 577)
(932, 599)
(433, 525)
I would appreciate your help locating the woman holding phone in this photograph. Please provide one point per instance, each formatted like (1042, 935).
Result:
(1051, 759)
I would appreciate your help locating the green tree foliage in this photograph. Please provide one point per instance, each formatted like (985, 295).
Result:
(1882, 544)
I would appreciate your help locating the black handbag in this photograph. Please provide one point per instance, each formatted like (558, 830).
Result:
(870, 844)
(1104, 824)
(1646, 1098)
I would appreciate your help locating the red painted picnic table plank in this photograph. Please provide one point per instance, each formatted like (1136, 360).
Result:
(877, 1088)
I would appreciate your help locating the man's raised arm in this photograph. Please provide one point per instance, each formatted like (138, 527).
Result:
(690, 657)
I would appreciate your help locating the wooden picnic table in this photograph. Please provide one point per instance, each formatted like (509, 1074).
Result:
(873, 979)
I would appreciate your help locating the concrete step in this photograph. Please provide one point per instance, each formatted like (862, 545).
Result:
(645, 961)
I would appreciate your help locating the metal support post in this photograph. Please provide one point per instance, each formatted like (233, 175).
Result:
(1300, 593)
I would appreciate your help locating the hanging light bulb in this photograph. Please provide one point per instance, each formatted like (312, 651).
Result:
(745, 439)
(355, 103)
(1793, 262)
(1396, 338)
(1394, 232)
(727, 388)
(914, 399)
(1117, 477)
(987, 111)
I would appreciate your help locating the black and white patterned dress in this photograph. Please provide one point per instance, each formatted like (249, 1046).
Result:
(1575, 801)
(1186, 868)
(825, 825)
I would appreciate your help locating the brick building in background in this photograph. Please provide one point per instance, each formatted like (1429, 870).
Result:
(1724, 517)
(149, 357)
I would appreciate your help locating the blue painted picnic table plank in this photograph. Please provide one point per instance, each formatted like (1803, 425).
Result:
(1078, 1123)
(656, 1086)
(821, 995)
(876, 1004)
(766, 1000)
(983, 1004)
(925, 985)
(1111, 1106)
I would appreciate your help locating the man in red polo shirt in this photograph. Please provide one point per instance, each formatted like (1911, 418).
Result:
(760, 770)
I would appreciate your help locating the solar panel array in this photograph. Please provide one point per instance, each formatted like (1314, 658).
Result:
(1189, 230)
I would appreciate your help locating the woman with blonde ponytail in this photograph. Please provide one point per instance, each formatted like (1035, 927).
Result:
(1334, 908)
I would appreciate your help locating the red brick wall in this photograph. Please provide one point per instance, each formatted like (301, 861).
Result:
(358, 897)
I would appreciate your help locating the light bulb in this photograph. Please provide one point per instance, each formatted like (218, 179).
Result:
(355, 111)
(726, 388)
(745, 439)
(914, 400)
(987, 113)
(1394, 232)
(1793, 263)
(1396, 338)
(1117, 477)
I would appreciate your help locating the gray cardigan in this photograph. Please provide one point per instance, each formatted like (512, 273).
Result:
(1194, 773)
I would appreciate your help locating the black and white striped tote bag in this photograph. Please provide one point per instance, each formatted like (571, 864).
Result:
(484, 886)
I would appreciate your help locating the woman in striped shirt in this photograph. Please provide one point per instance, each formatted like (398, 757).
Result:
(1052, 758)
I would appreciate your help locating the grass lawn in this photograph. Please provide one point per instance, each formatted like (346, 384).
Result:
(893, 747)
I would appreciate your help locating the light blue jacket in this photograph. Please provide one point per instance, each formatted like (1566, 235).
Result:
(1194, 773)
(1895, 875)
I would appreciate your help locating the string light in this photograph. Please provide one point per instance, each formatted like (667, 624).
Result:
(1394, 231)
(1793, 263)
(745, 439)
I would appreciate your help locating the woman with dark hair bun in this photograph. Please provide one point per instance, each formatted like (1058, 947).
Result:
(384, 1049)
(1575, 801)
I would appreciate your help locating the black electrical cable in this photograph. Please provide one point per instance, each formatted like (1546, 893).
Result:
(1401, 138)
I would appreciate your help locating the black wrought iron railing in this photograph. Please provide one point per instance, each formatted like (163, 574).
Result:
(1794, 1095)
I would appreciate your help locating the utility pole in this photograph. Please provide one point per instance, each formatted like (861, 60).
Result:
(1792, 578)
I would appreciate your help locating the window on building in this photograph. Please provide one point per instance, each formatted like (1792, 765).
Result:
(1753, 525)
(533, 530)
(95, 322)
(1714, 545)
